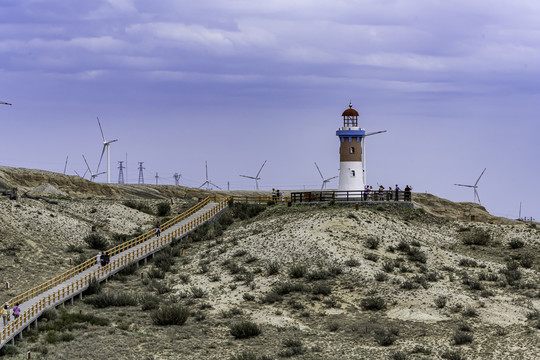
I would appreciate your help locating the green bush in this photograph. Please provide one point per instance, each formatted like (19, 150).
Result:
(440, 302)
(163, 208)
(516, 244)
(160, 287)
(148, 302)
(173, 314)
(462, 337)
(129, 269)
(293, 347)
(139, 206)
(9, 349)
(385, 337)
(155, 274)
(272, 267)
(284, 288)
(352, 262)
(415, 254)
(271, 298)
(96, 241)
(94, 287)
(373, 303)
(452, 355)
(297, 271)
(399, 355)
(107, 299)
(245, 329)
(164, 260)
(245, 211)
(372, 243)
(321, 289)
(476, 236)
(74, 249)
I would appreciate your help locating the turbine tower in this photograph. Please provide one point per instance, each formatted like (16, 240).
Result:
(208, 182)
(256, 177)
(106, 144)
(325, 181)
(352, 158)
(475, 187)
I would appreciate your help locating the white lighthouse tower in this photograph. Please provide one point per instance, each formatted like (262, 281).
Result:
(352, 162)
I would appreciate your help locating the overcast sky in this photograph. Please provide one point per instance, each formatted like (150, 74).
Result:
(235, 83)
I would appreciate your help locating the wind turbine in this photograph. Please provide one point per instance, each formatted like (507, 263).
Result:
(475, 186)
(177, 177)
(325, 181)
(208, 182)
(65, 165)
(85, 171)
(256, 177)
(92, 176)
(364, 153)
(106, 144)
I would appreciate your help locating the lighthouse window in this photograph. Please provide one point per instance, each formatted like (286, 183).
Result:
(353, 173)
(352, 149)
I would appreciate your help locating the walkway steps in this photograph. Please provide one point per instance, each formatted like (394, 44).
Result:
(72, 283)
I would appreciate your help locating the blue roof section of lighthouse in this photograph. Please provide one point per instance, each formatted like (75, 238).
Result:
(350, 124)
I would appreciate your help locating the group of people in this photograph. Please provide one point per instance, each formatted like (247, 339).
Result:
(103, 259)
(277, 195)
(6, 313)
(370, 194)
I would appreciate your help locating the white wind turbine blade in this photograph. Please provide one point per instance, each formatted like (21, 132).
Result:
(249, 177)
(480, 177)
(86, 162)
(110, 142)
(319, 170)
(211, 183)
(465, 185)
(375, 133)
(333, 177)
(261, 169)
(101, 157)
(477, 196)
(100, 129)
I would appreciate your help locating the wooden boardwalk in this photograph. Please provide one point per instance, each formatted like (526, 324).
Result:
(65, 287)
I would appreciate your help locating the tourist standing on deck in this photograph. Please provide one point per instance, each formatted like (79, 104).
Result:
(5, 313)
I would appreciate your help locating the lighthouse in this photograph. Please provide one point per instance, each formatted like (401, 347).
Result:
(352, 162)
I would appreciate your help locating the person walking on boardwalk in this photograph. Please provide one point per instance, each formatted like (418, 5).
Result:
(105, 259)
(397, 193)
(16, 311)
(158, 230)
(5, 313)
(274, 195)
(98, 259)
(389, 194)
(381, 192)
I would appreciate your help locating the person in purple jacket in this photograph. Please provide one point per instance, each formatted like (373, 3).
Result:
(16, 311)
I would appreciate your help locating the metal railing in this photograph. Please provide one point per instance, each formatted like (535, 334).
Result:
(126, 258)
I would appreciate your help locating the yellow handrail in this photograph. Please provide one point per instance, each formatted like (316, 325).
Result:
(113, 265)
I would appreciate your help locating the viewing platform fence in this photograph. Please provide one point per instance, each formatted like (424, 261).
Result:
(349, 196)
